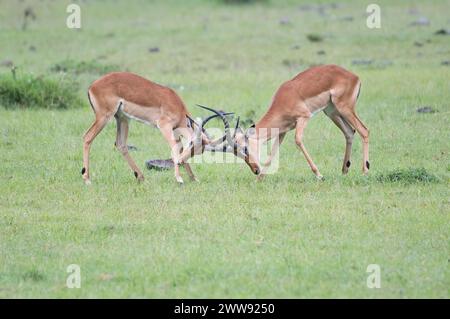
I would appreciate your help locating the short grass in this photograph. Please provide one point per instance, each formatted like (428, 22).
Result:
(228, 236)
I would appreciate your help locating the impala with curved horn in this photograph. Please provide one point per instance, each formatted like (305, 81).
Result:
(327, 87)
(128, 96)
(196, 147)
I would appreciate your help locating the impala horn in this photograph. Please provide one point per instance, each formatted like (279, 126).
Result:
(227, 137)
(203, 123)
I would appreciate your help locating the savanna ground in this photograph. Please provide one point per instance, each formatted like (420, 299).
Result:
(228, 236)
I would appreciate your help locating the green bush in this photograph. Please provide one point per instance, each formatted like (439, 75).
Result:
(79, 67)
(314, 37)
(409, 175)
(242, 1)
(30, 91)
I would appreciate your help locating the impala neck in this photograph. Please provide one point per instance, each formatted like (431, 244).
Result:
(269, 126)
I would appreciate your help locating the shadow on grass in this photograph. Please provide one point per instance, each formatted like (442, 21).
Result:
(397, 176)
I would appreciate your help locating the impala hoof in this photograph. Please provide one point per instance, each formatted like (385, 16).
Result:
(87, 182)
(139, 177)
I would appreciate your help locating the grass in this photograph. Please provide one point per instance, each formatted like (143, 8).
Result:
(30, 91)
(78, 67)
(409, 175)
(228, 236)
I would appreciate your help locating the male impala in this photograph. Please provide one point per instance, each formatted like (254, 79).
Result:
(329, 88)
(128, 96)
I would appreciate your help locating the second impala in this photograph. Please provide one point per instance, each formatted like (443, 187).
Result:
(327, 88)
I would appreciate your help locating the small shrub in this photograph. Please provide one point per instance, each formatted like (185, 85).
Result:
(242, 1)
(28, 91)
(88, 67)
(409, 175)
(314, 38)
(33, 275)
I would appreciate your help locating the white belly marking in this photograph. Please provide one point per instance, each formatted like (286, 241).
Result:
(132, 117)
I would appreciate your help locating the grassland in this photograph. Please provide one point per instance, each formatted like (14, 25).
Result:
(228, 236)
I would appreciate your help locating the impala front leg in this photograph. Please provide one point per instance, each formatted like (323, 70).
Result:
(188, 169)
(273, 152)
(121, 145)
(167, 132)
(89, 136)
(275, 147)
(186, 165)
(301, 124)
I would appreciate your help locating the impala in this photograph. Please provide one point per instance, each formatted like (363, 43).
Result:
(127, 96)
(327, 88)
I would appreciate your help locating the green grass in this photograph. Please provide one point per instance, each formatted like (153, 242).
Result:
(228, 236)
(30, 91)
(409, 175)
(90, 67)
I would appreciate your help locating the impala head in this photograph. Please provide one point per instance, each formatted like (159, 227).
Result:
(199, 140)
(241, 144)
(245, 146)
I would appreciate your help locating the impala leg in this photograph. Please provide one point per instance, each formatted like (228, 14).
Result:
(349, 115)
(121, 145)
(89, 136)
(273, 152)
(275, 148)
(187, 167)
(190, 173)
(348, 132)
(167, 132)
(301, 124)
